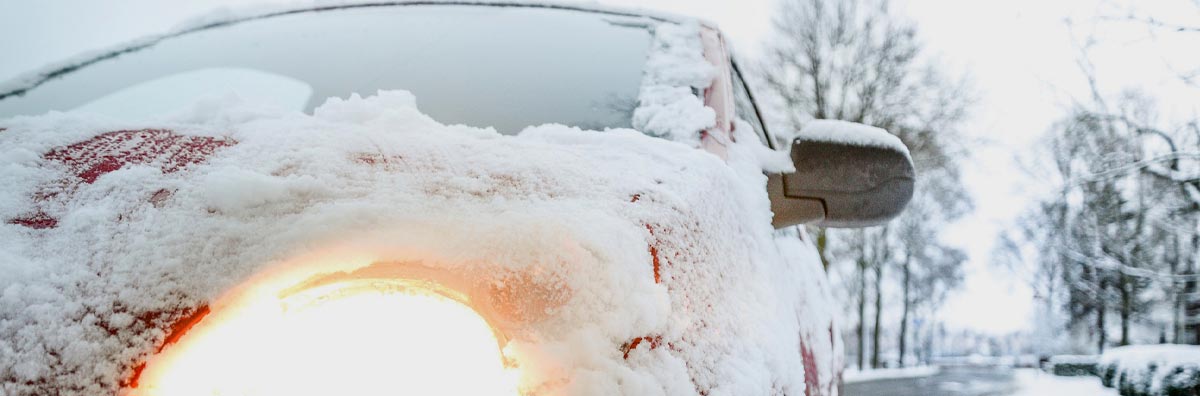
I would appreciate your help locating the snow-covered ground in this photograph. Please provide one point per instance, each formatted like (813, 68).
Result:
(853, 376)
(1034, 382)
(979, 380)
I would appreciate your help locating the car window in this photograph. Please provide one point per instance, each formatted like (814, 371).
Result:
(504, 67)
(746, 108)
(167, 94)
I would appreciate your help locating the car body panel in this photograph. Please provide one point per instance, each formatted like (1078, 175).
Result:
(171, 152)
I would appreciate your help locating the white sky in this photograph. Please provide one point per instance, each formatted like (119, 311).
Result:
(1022, 57)
(1018, 52)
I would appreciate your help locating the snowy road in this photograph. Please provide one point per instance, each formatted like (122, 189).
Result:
(981, 381)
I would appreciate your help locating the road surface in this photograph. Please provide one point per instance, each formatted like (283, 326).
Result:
(950, 381)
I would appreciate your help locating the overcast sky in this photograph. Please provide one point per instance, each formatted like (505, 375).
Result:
(1022, 56)
(1019, 53)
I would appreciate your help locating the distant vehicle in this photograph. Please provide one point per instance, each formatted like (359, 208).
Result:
(500, 65)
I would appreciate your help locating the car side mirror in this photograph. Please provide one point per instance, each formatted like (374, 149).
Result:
(847, 175)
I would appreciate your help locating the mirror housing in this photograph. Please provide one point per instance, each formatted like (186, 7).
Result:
(847, 175)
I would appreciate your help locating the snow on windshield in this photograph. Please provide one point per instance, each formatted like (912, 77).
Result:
(500, 67)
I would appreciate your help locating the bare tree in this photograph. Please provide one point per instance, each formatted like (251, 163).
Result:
(928, 269)
(857, 60)
(1123, 231)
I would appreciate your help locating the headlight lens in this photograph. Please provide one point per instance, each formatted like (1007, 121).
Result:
(355, 337)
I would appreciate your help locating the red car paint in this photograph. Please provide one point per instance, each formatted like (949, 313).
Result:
(88, 160)
(85, 162)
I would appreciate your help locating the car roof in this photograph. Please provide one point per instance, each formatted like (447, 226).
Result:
(22, 84)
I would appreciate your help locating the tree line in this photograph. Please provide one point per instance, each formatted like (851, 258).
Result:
(1112, 248)
(859, 61)
(1119, 233)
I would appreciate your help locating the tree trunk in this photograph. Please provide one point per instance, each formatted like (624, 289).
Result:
(880, 256)
(1177, 315)
(1176, 292)
(822, 243)
(928, 348)
(1100, 316)
(1126, 307)
(904, 314)
(862, 307)
(1191, 301)
(878, 314)
(1191, 310)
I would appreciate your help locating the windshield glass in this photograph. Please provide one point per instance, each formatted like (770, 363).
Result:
(504, 67)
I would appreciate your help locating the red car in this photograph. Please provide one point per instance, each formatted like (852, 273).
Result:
(537, 199)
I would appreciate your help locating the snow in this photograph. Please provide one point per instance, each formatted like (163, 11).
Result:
(851, 133)
(89, 299)
(1034, 382)
(1137, 355)
(675, 71)
(853, 376)
(1147, 366)
(1073, 359)
(284, 196)
(228, 15)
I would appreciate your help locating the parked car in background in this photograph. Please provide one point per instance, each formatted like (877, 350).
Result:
(485, 220)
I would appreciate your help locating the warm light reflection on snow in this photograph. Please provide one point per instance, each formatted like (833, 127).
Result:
(336, 340)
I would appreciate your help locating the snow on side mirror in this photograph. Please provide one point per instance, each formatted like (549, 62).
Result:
(847, 175)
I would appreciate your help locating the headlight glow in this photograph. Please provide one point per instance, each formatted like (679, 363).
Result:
(350, 338)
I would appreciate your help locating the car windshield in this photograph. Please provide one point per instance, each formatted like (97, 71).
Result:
(504, 67)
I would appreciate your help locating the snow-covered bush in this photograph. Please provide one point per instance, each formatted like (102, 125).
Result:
(1152, 370)
(1183, 380)
(1107, 373)
(1072, 365)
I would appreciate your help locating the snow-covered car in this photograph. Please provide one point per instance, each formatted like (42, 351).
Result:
(586, 202)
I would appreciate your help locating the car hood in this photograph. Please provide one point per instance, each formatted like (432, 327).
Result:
(115, 232)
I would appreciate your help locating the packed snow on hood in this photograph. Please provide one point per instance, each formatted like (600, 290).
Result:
(612, 262)
(371, 180)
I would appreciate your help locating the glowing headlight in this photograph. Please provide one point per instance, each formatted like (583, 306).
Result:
(350, 338)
